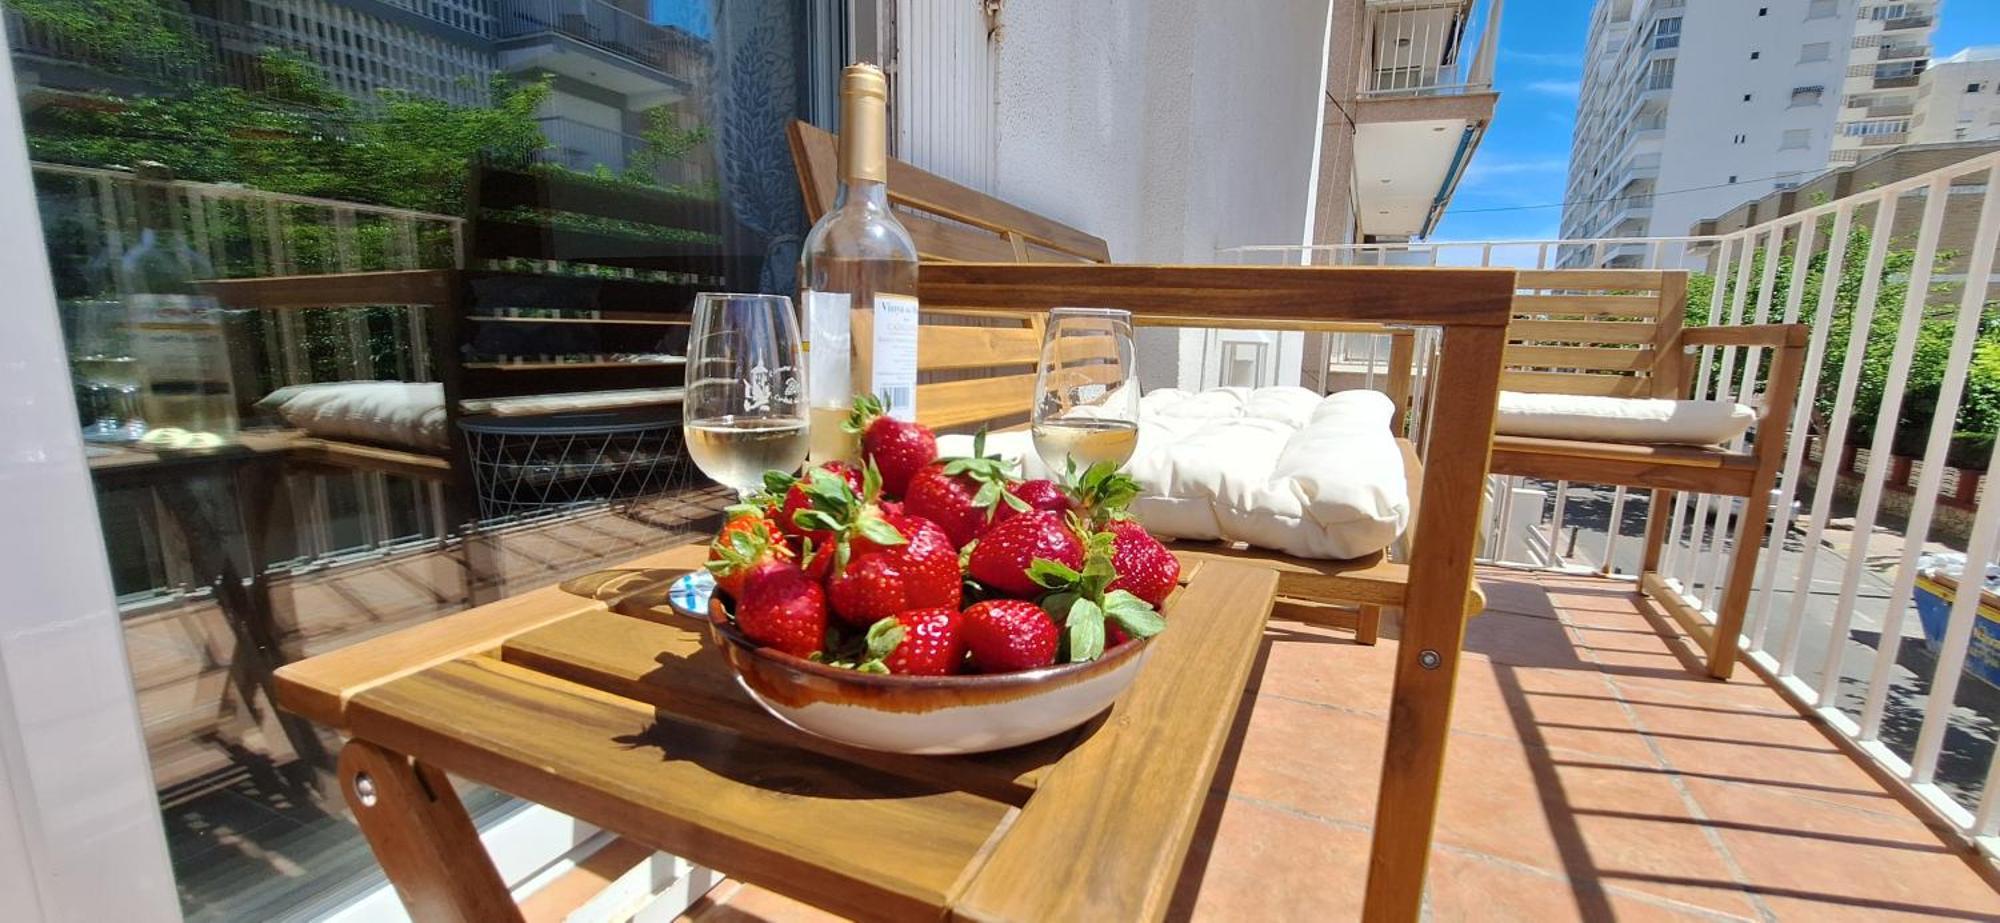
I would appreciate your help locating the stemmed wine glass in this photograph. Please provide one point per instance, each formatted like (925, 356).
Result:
(1086, 390)
(745, 408)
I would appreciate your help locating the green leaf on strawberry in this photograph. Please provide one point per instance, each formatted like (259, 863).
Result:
(1135, 615)
(1084, 631)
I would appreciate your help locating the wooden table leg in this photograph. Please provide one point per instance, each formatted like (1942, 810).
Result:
(422, 837)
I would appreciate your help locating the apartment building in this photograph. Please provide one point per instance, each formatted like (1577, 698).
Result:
(1689, 107)
(1958, 98)
(607, 63)
(1409, 95)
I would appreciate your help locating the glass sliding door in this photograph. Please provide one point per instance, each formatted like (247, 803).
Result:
(370, 313)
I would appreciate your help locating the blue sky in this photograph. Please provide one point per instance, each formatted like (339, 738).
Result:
(690, 15)
(1524, 158)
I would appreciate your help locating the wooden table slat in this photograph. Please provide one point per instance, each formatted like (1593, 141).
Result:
(846, 838)
(1106, 834)
(666, 661)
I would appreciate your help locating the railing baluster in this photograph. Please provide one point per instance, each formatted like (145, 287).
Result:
(1952, 390)
(1760, 609)
(1943, 694)
(1880, 450)
(1689, 563)
(1836, 437)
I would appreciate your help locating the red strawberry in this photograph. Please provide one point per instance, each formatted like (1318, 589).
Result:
(797, 499)
(783, 608)
(919, 642)
(1001, 559)
(1038, 494)
(1114, 635)
(882, 580)
(747, 539)
(1009, 635)
(1145, 567)
(960, 494)
(898, 447)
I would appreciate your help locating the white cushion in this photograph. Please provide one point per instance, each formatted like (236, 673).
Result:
(393, 413)
(1622, 419)
(535, 405)
(1279, 468)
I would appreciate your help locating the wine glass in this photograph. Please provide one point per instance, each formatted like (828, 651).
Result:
(1086, 390)
(745, 408)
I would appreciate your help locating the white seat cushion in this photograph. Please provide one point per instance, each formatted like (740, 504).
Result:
(1279, 468)
(394, 413)
(1622, 419)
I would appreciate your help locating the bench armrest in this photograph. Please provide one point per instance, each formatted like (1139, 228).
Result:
(1771, 335)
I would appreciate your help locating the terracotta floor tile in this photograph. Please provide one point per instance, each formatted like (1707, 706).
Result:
(1768, 750)
(1809, 860)
(1310, 758)
(1580, 817)
(1325, 665)
(1571, 710)
(734, 902)
(1522, 640)
(1518, 595)
(1255, 862)
(1478, 889)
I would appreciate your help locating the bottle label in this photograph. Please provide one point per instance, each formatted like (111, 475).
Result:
(895, 354)
(828, 349)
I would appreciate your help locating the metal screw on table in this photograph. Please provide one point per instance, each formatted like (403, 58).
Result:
(364, 788)
(1428, 659)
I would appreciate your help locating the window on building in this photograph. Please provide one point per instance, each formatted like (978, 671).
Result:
(1887, 11)
(1755, 55)
(1895, 69)
(1732, 177)
(1807, 96)
(1814, 51)
(1763, 11)
(1746, 97)
(1822, 9)
(1795, 139)
(1659, 75)
(1666, 33)
(1873, 128)
(1972, 88)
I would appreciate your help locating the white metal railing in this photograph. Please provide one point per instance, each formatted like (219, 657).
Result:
(1418, 48)
(1830, 621)
(247, 233)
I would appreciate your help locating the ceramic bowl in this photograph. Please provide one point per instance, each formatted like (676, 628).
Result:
(923, 714)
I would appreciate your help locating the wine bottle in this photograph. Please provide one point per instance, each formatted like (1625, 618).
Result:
(178, 334)
(858, 279)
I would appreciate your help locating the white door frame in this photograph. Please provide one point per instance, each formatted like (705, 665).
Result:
(80, 831)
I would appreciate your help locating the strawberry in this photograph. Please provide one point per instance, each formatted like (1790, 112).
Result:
(1038, 494)
(881, 580)
(1003, 555)
(1093, 615)
(1144, 566)
(781, 607)
(899, 448)
(1009, 635)
(919, 642)
(747, 539)
(798, 498)
(959, 494)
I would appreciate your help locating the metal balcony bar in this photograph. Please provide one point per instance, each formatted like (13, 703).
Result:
(1418, 49)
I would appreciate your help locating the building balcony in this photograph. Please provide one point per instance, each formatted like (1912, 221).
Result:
(596, 42)
(1907, 23)
(1894, 83)
(1420, 48)
(1901, 52)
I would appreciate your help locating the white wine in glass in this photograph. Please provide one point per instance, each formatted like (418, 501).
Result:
(745, 408)
(1086, 390)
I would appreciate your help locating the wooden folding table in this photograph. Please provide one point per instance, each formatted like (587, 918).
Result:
(596, 699)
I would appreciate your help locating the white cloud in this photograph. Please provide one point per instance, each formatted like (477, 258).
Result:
(1567, 88)
(1548, 58)
(1483, 169)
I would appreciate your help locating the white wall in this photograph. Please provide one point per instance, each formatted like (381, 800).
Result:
(1169, 128)
(1946, 112)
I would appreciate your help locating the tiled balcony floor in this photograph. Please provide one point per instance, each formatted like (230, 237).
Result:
(1593, 775)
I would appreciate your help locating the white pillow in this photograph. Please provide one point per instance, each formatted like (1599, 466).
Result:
(394, 413)
(1622, 419)
(1279, 468)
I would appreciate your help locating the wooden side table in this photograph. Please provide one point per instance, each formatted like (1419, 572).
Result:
(597, 700)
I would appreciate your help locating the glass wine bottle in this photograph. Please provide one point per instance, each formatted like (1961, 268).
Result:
(858, 279)
(178, 336)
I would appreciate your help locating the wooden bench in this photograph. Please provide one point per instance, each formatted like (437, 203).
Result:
(1619, 333)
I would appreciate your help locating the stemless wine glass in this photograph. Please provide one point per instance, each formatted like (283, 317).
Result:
(745, 408)
(1086, 390)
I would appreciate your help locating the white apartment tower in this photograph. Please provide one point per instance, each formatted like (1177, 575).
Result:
(1958, 98)
(1690, 107)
